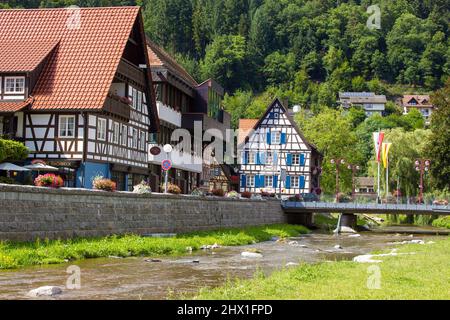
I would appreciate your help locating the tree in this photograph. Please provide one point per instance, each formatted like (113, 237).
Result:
(332, 133)
(237, 105)
(225, 61)
(438, 147)
(279, 68)
(11, 150)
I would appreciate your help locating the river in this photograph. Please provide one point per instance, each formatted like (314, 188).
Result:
(136, 278)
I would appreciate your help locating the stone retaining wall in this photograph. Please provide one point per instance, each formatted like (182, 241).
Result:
(27, 213)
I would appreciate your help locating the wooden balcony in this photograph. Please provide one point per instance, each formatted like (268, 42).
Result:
(130, 71)
(114, 105)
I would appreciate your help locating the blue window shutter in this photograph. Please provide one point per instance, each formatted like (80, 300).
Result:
(269, 138)
(289, 159)
(256, 181)
(275, 181)
(270, 115)
(302, 159)
(262, 158)
(246, 157)
(243, 181)
(302, 182)
(258, 158)
(275, 158)
(288, 182)
(283, 138)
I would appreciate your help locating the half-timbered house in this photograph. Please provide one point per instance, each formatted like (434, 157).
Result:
(275, 156)
(76, 87)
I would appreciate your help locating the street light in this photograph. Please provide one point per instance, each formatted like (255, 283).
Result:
(337, 162)
(167, 149)
(354, 168)
(422, 166)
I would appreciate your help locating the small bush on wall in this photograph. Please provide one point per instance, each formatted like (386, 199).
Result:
(12, 150)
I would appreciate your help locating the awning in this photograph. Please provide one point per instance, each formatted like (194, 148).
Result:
(7, 166)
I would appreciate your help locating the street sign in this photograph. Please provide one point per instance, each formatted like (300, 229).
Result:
(155, 150)
(166, 165)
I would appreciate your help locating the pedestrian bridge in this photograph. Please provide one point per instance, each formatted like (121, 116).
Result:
(370, 208)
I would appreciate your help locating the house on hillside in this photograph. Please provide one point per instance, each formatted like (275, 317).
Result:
(275, 156)
(369, 101)
(418, 102)
(80, 96)
(181, 103)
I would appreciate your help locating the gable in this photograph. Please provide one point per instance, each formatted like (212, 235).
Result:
(80, 70)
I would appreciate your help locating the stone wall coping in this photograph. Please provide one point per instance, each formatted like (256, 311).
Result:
(124, 194)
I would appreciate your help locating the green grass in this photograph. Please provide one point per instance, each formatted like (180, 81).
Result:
(14, 255)
(425, 275)
(442, 222)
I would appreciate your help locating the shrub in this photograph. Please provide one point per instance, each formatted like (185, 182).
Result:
(342, 197)
(246, 194)
(49, 180)
(142, 188)
(442, 222)
(12, 150)
(197, 192)
(104, 184)
(7, 180)
(218, 192)
(232, 194)
(173, 188)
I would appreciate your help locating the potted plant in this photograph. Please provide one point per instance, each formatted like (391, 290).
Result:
(246, 194)
(218, 192)
(104, 184)
(49, 180)
(232, 194)
(142, 188)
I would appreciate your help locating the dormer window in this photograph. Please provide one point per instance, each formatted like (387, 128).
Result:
(14, 85)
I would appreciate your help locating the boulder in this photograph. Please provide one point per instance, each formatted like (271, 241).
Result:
(291, 264)
(247, 254)
(338, 246)
(48, 291)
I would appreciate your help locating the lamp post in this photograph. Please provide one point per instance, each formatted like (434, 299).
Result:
(167, 149)
(422, 166)
(337, 162)
(354, 168)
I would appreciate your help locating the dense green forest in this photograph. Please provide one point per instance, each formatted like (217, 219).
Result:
(306, 51)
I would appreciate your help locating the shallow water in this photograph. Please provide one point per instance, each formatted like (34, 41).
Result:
(135, 278)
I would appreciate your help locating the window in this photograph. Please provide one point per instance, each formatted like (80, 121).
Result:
(135, 138)
(142, 140)
(14, 84)
(269, 158)
(268, 181)
(295, 159)
(101, 129)
(66, 126)
(135, 100)
(250, 181)
(294, 182)
(276, 137)
(251, 157)
(139, 101)
(116, 132)
(124, 135)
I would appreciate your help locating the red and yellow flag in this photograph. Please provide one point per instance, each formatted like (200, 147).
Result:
(385, 153)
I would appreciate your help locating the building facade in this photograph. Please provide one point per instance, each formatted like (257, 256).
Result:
(181, 103)
(275, 156)
(79, 96)
(368, 101)
(421, 103)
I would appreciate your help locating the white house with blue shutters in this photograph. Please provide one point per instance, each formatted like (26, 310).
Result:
(272, 145)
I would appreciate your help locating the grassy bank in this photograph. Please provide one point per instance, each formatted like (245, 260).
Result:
(424, 275)
(13, 255)
(442, 222)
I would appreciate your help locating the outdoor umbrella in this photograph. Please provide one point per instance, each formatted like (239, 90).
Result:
(7, 166)
(40, 167)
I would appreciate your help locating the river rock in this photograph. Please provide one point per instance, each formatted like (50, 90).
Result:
(152, 260)
(356, 235)
(338, 246)
(48, 291)
(344, 229)
(291, 264)
(195, 261)
(247, 254)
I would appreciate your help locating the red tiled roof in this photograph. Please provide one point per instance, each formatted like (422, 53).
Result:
(422, 100)
(160, 58)
(24, 56)
(245, 126)
(80, 71)
(14, 106)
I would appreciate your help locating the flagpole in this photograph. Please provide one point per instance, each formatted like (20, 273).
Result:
(387, 178)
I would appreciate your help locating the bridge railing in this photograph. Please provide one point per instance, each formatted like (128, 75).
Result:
(365, 206)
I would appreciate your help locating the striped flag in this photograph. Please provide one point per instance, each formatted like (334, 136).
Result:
(378, 141)
(385, 153)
